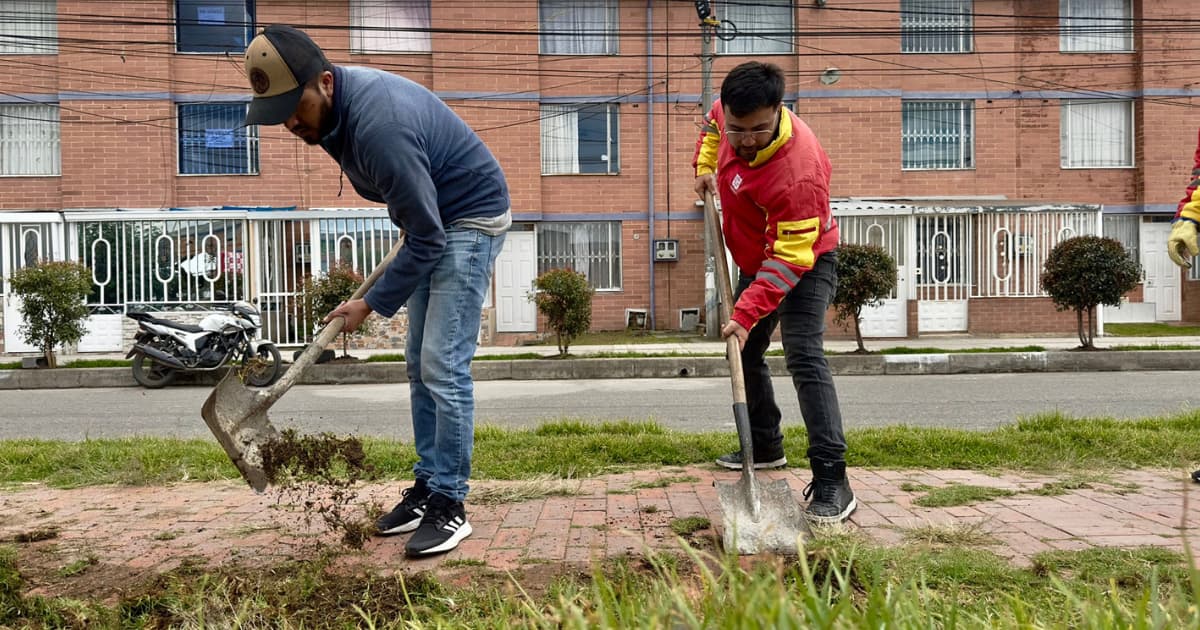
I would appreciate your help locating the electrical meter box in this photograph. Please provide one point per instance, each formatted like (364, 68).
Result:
(666, 250)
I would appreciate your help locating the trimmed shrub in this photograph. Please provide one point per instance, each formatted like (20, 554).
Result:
(866, 275)
(324, 293)
(565, 298)
(53, 298)
(1085, 271)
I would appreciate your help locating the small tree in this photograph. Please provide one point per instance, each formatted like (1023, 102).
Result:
(53, 303)
(325, 293)
(866, 275)
(565, 298)
(1084, 271)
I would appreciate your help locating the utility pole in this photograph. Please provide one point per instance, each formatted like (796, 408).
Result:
(708, 28)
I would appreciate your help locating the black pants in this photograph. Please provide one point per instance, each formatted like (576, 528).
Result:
(801, 319)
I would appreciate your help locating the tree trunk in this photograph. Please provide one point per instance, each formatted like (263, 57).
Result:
(858, 334)
(51, 360)
(1079, 328)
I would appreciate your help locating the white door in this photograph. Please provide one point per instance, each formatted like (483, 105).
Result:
(1162, 276)
(21, 245)
(516, 269)
(890, 318)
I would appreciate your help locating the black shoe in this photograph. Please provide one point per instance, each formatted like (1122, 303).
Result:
(1196, 476)
(832, 499)
(734, 460)
(442, 528)
(406, 516)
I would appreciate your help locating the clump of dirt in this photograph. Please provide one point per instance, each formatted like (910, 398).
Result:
(36, 535)
(319, 473)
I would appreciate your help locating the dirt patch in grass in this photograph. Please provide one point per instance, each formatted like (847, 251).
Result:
(319, 474)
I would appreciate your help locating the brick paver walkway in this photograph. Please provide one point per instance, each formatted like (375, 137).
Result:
(149, 530)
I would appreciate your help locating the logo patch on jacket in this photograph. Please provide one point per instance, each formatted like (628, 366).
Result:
(736, 183)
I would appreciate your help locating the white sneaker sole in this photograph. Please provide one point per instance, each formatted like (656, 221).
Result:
(402, 528)
(775, 463)
(834, 520)
(450, 543)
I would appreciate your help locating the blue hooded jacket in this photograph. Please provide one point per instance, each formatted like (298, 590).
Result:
(399, 144)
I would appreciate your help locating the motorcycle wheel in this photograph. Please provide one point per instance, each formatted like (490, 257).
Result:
(262, 368)
(150, 373)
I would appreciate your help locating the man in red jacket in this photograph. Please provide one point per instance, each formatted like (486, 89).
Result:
(773, 180)
(1181, 244)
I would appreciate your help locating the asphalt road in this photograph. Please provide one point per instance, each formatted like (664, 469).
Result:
(976, 401)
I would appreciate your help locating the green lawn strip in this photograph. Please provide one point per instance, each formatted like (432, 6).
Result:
(840, 583)
(1048, 442)
(1150, 330)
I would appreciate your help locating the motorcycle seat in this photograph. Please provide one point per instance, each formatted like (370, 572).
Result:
(146, 317)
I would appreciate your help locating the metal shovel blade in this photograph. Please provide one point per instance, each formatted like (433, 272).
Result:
(237, 415)
(758, 516)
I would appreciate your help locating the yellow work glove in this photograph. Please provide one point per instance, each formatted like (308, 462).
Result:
(1181, 244)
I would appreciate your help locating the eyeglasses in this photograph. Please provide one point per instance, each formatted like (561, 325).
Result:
(738, 136)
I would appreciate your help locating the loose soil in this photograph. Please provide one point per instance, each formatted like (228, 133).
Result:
(319, 473)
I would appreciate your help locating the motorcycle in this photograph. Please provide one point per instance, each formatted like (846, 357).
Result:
(163, 349)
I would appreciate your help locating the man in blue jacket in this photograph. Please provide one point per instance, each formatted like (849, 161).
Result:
(399, 144)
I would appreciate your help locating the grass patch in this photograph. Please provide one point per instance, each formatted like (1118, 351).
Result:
(1150, 330)
(689, 525)
(391, 357)
(78, 566)
(1157, 346)
(912, 486)
(960, 494)
(169, 534)
(664, 482)
(840, 584)
(10, 365)
(1045, 443)
(99, 363)
(539, 487)
(952, 534)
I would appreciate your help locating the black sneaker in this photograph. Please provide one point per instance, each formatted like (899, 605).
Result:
(734, 460)
(832, 501)
(1196, 476)
(406, 516)
(442, 528)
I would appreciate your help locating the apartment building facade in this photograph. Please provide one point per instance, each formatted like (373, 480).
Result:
(967, 137)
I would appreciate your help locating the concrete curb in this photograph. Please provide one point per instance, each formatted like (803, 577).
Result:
(662, 367)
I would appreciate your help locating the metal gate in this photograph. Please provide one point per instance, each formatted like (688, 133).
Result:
(943, 275)
(25, 239)
(889, 319)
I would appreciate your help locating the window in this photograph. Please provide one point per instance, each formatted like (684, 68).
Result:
(937, 135)
(935, 26)
(591, 248)
(578, 27)
(579, 139)
(29, 140)
(28, 27)
(1097, 134)
(212, 140)
(390, 26)
(1126, 229)
(763, 28)
(1095, 25)
(213, 26)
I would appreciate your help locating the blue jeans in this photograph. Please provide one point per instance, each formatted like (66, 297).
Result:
(801, 318)
(443, 330)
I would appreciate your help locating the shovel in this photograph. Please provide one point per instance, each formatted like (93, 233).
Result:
(758, 516)
(237, 415)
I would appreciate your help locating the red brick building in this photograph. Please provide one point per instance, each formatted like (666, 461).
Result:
(966, 136)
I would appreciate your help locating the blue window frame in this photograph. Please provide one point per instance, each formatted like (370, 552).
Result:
(213, 141)
(213, 26)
